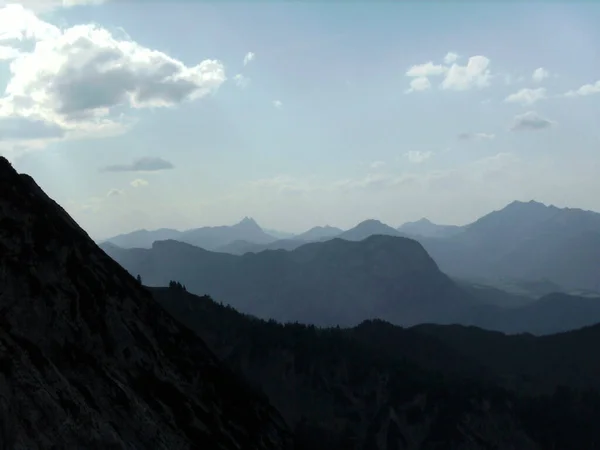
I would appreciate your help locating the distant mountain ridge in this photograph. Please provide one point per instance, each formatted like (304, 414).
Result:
(426, 228)
(319, 233)
(526, 240)
(206, 237)
(328, 283)
(341, 282)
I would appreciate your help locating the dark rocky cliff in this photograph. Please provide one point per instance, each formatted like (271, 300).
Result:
(89, 360)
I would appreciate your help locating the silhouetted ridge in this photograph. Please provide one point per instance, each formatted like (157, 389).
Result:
(89, 360)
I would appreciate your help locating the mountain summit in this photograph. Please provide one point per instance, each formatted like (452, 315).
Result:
(89, 360)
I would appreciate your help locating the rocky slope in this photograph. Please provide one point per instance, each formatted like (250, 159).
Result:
(89, 360)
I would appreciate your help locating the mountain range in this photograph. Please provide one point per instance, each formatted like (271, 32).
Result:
(342, 283)
(91, 358)
(525, 241)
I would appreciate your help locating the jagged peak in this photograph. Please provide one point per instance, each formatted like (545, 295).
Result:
(247, 221)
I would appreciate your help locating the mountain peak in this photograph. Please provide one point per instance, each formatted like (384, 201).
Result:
(527, 204)
(247, 222)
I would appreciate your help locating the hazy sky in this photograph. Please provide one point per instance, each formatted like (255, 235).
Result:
(185, 114)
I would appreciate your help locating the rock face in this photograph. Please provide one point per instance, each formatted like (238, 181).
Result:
(89, 360)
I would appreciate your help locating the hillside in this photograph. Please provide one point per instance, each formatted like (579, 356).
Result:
(89, 360)
(382, 387)
(326, 283)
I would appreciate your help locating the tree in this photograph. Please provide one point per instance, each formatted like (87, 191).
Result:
(139, 279)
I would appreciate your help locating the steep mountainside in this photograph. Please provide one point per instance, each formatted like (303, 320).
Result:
(528, 241)
(326, 283)
(209, 238)
(381, 387)
(89, 360)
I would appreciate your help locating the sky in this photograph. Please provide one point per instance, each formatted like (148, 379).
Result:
(186, 114)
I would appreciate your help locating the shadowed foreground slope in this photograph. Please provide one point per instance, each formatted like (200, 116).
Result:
(88, 360)
(381, 387)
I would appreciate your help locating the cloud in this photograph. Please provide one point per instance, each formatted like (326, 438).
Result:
(527, 96)
(475, 136)
(277, 104)
(450, 58)
(241, 81)
(426, 70)
(530, 121)
(43, 6)
(7, 53)
(19, 128)
(475, 74)
(419, 84)
(415, 156)
(138, 182)
(249, 58)
(80, 78)
(114, 193)
(586, 89)
(147, 164)
(377, 164)
(540, 74)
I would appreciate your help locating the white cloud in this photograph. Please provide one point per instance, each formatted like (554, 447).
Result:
(426, 70)
(377, 164)
(241, 81)
(7, 53)
(586, 89)
(75, 78)
(277, 104)
(475, 74)
(42, 6)
(527, 96)
(476, 136)
(139, 182)
(530, 121)
(415, 156)
(540, 74)
(450, 58)
(249, 58)
(419, 84)
(146, 164)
